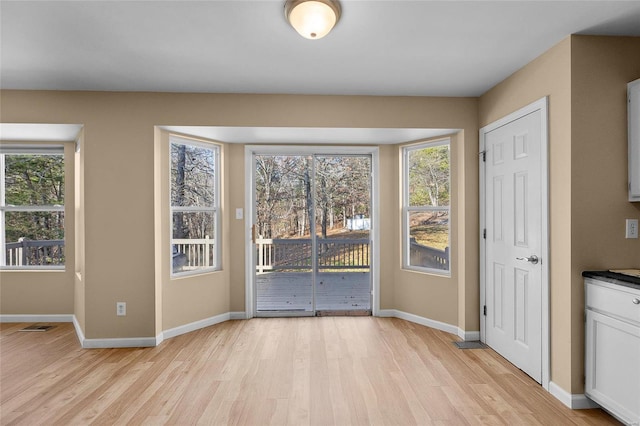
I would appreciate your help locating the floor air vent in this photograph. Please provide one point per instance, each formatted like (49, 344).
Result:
(475, 344)
(38, 327)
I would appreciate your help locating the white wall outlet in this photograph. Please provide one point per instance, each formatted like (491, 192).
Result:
(239, 213)
(121, 309)
(631, 228)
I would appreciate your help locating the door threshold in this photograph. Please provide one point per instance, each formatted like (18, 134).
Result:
(344, 313)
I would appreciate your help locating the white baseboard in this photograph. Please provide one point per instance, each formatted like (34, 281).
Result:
(449, 328)
(84, 342)
(79, 331)
(573, 401)
(124, 342)
(127, 342)
(37, 318)
(468, 336)
(196, 325)
(238, 315)
(394, 313)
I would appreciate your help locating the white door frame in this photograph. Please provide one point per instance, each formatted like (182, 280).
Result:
(542, 106)
(249, 170)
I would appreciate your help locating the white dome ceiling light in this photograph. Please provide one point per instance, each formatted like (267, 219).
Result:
(312, 19)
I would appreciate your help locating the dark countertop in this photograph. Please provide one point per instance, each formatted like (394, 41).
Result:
(614, 278)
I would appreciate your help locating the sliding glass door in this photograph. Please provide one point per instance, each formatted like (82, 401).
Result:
(312, 224)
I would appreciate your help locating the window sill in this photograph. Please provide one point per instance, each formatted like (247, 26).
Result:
(427, 271)
(189, 274)
(32, 269)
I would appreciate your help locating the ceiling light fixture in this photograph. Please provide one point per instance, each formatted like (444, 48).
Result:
(312, 19)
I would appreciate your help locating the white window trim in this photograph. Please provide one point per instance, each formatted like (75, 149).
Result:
(250, 252)
(215, 209)
(17, 149)
(407, 210)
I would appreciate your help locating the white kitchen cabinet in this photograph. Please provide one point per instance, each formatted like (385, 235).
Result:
(633, 111)
(612, 347)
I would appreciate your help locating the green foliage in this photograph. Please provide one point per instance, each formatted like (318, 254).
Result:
(289, 194)
(192, 185)
(34, 180)
(429, 170)
(36, 226)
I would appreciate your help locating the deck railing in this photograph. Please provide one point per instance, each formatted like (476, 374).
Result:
(193, 253)
(35, 253)
(429, 257)
(295, 254)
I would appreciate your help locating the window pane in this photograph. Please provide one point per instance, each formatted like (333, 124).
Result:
(429, 239)
(192, 175)
(429, 176)
(34, 179)
(193, 241)
(34, 238)
(193, 225)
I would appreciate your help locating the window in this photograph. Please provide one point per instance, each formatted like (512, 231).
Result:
(194, 206)
(426, 207)
(32, 191)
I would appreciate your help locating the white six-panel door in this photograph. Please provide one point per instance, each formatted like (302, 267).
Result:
(513, 245)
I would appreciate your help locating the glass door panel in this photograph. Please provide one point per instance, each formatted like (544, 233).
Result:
(324, 196)
(284, 252)
(343, 224)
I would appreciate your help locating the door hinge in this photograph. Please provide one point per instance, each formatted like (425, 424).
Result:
(484, 155)
(484, 310)
(484, 233)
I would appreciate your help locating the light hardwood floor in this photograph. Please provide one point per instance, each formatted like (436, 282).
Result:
(293, 371)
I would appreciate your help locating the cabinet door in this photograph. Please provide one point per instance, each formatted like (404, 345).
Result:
(633, 108)
(612, 365)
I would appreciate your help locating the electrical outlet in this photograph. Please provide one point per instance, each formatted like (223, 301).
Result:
(239, 213)
(631, 228)
(121, 309)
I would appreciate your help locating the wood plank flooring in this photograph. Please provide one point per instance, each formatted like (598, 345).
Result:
(272, 371)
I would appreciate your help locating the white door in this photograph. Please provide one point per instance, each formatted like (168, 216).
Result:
(513, 219)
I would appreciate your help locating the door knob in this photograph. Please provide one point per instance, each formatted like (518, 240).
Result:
(533, 259)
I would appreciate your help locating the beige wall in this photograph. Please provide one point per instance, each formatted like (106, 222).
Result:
(123, 223)
(45, 292)
(389, 225)
(235, 157)
(186, 299)
(413, 291)
(78, 222)
(601, 68)
(585, 79)
(548, 75)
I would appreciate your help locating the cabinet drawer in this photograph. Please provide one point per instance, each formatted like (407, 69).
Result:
(617, 302)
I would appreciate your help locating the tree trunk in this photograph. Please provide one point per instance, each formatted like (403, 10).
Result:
(307, 189)
(325, 206)
(180, 230)
(344, 217)
(331, 216)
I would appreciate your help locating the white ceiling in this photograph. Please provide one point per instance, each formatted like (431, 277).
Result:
(310, 135)
(19, 132)
(393, 47)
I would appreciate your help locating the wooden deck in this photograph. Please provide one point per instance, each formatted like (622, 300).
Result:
(292, 291)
